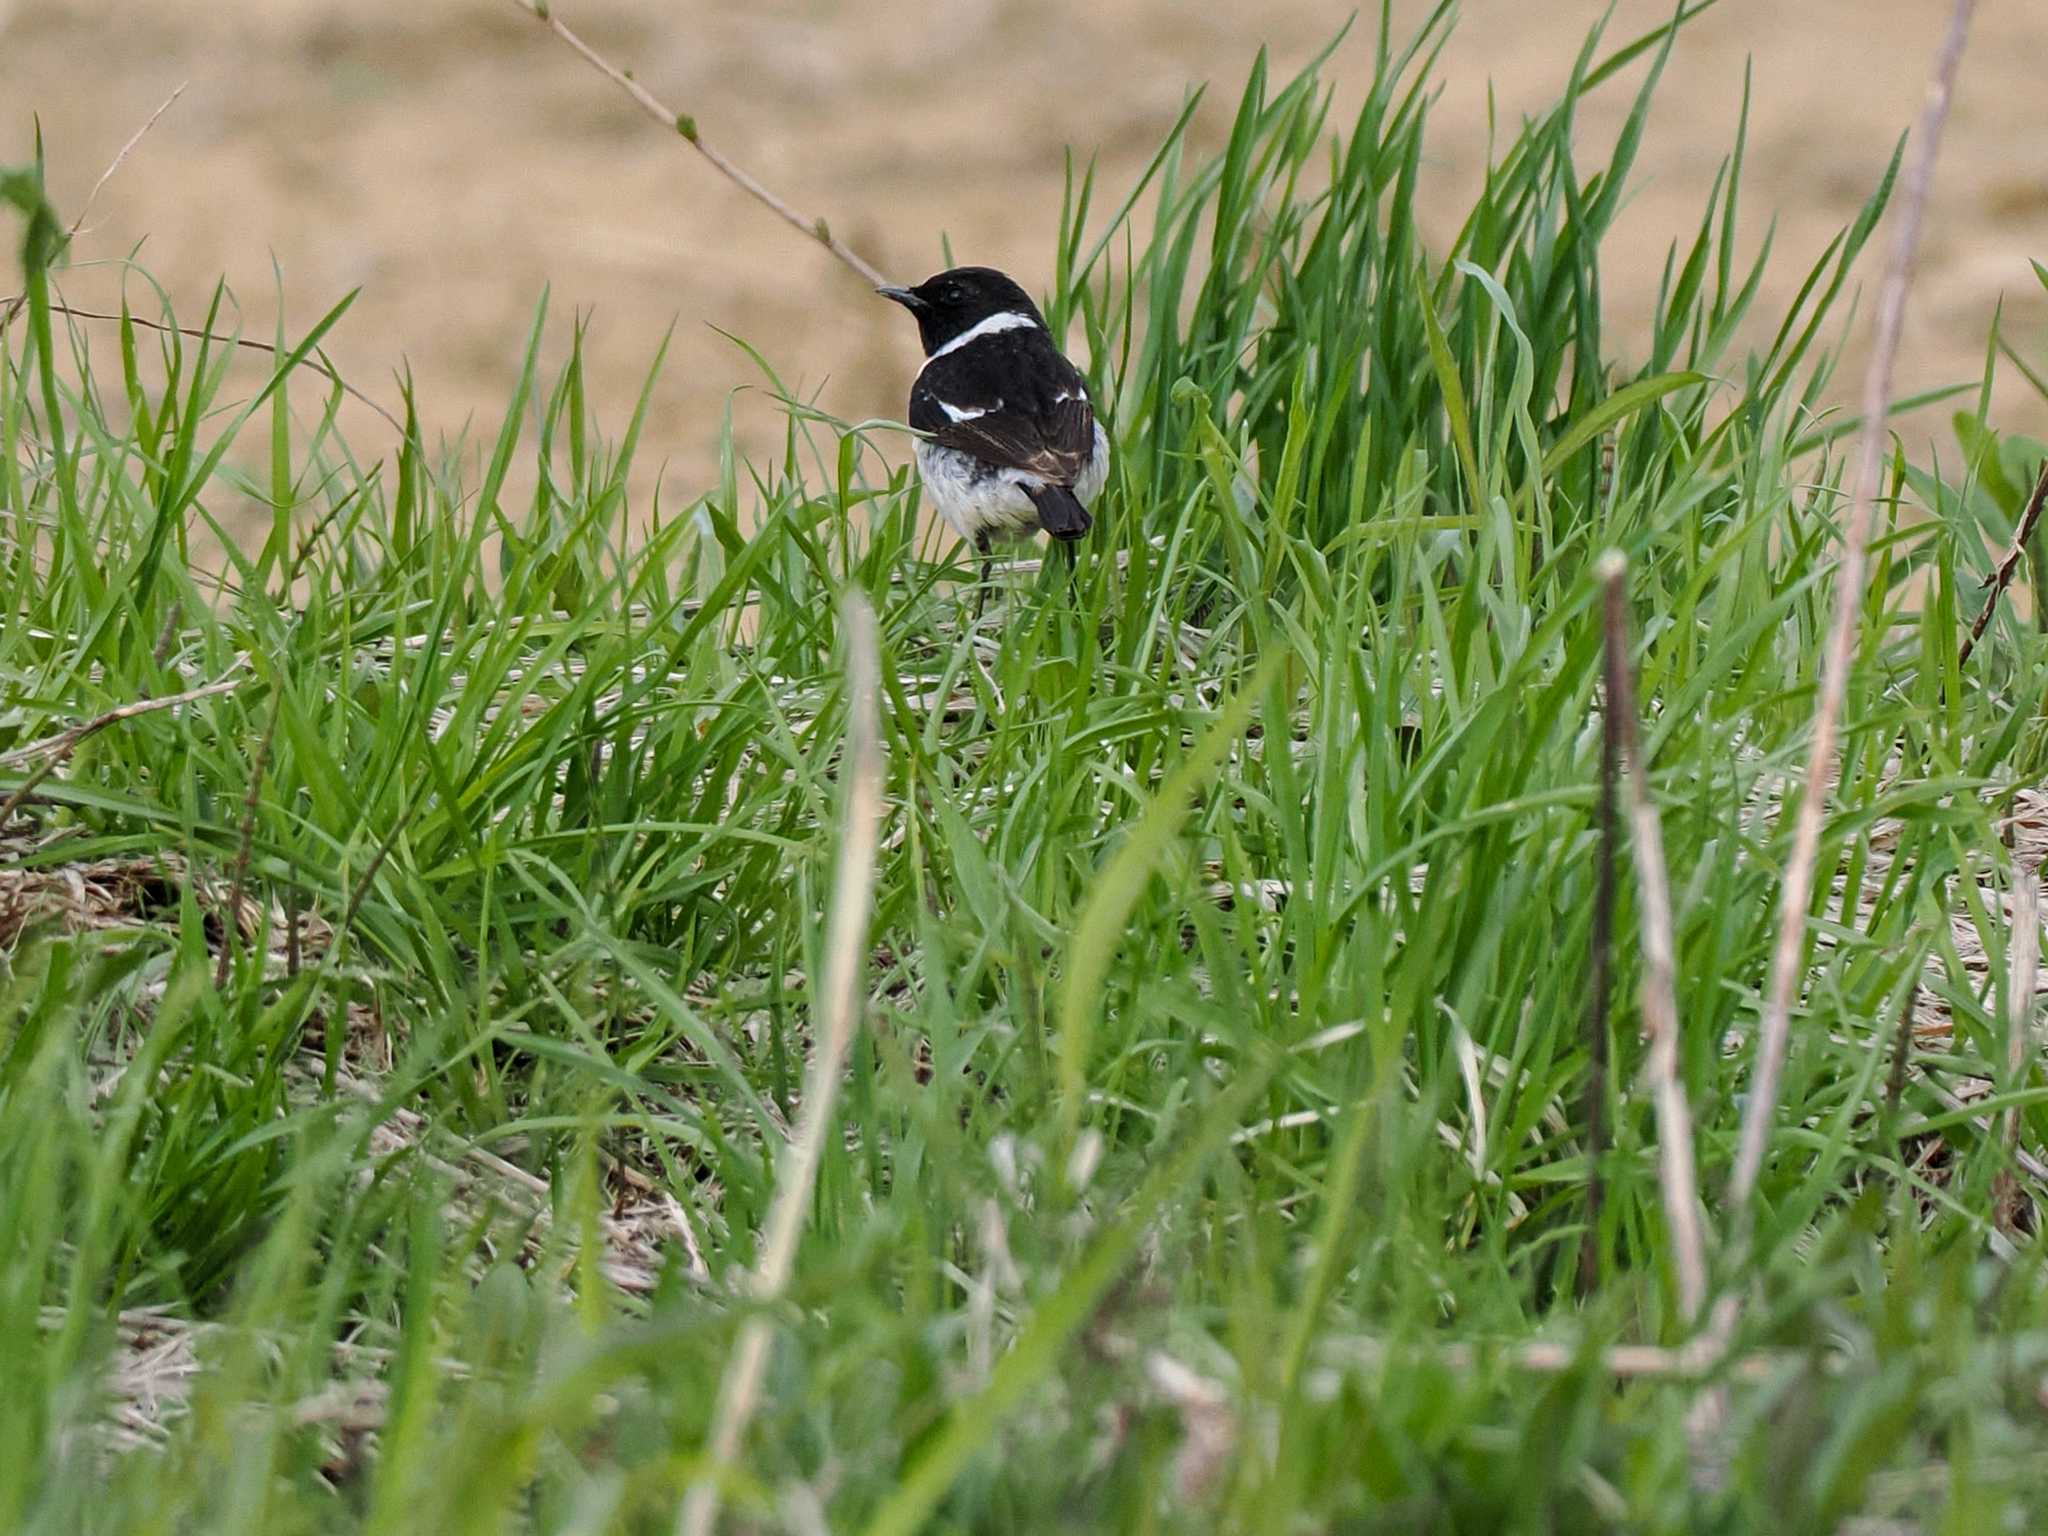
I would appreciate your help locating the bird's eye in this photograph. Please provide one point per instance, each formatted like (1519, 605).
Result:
(952, 293)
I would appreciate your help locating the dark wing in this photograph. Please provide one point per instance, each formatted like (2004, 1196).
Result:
(1009, 399)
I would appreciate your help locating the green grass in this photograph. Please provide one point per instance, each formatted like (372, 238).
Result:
(1228, 982)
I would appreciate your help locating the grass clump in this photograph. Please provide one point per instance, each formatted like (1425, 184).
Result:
(398, 1041)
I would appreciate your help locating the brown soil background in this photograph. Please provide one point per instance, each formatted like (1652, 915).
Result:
(451, 158)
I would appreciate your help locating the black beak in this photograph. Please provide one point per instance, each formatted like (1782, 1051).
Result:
(907, 297)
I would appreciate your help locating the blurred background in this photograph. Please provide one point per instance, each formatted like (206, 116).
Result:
(452, 158)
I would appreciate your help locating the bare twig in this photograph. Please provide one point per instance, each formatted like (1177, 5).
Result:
(1837, 654)
(120, 157)
(1676, 1177)
(839, 1013)
(2024, 941)
(2008, 563)
(685, 125)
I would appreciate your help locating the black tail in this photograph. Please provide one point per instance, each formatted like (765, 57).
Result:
(1060, 512)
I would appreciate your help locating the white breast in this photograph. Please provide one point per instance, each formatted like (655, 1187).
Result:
(979, 500)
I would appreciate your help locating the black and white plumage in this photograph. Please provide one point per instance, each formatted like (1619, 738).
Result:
(1011, 444)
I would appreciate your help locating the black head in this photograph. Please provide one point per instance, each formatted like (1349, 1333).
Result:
(959, 299)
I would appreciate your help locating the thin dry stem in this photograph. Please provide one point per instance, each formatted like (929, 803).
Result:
(2024, 942)
(1837, 654)
(2008, 565)
(1902, 1056)
(167, 637)
(61, 744)
(839, 1014)
(685, 126)
(120, 158)
(316, 360)
(54, 749)
(294, 952)
(245, 843)
(1676, 1177)
(1597, 1015)
(361, 889)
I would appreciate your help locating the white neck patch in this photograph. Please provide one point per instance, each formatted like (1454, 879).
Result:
(1008, 320)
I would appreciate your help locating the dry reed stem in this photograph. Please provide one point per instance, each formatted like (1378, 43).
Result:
(1677, 1179)
(1548, 1357)
(1598, 1011)
(1837, 654)
(839, 1006)
(2024, 941)
(682, 124)
(2008, 564)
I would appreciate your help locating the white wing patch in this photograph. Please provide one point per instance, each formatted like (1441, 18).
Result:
(967, 413)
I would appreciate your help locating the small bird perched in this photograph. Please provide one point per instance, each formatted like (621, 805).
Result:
(1011, 442)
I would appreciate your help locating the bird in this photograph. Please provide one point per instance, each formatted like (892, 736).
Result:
(1008, 439)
